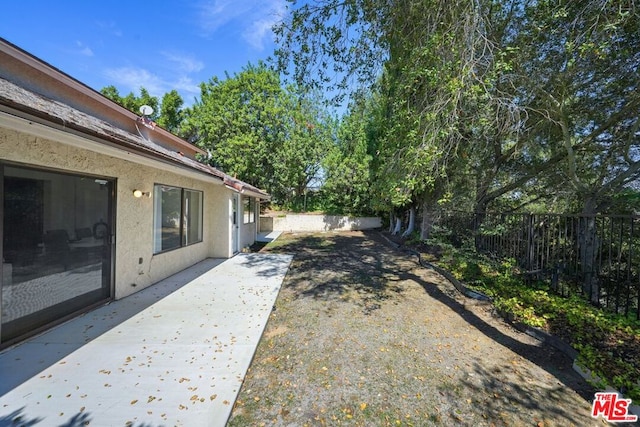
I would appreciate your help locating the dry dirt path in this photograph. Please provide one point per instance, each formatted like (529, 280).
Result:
(362, 335)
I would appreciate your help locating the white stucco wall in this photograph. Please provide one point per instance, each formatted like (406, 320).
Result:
(217, 212)
(310, 222)
(134, 216)
(248, 231)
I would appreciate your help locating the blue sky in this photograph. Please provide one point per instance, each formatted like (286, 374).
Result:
(161, 45)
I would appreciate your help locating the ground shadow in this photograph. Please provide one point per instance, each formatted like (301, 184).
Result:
(545, 356)
(25, 360)
(263, 264)
(340, 265)
(330, 265)
(18, 418)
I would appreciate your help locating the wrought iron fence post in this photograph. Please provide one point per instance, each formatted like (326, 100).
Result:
(588, 254)
(530, 243)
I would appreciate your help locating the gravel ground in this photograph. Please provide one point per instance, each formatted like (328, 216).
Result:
(362, 335)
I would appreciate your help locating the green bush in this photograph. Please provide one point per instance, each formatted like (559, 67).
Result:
(599, 337)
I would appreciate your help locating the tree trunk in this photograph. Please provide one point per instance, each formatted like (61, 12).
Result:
(588, 244)
(412, 222)
(398, 226)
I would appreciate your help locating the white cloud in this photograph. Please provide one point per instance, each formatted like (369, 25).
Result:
(186, 84)
(216, 13)
(185, 63)
(132, 79)
(135, 78)
(83, 49)
(253, 18)
(256, 34)
(110, 27)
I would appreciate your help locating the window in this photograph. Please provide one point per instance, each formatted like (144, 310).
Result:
(177, 217)
(192, 223)
(56, 246)
(249, 213)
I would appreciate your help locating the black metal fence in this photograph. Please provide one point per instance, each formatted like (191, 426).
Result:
(598, 256)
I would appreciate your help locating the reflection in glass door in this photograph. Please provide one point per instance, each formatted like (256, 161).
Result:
(56, 247)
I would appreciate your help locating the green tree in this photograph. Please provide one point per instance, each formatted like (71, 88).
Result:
(486, 103)
(171, 112)
(297, 157)
(133, 102)
(581, 86)
(259, 131)
(427, 59)
(347, 165)
(582, 91)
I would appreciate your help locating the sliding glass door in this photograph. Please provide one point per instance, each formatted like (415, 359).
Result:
(56, 247)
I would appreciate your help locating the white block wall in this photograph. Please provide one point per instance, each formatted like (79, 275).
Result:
(301, 222)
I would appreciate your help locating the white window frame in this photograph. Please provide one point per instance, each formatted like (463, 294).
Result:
(184, 219)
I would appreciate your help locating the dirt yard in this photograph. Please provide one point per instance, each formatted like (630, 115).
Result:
(362, 335)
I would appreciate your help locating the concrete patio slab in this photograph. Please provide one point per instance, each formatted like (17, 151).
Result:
(174, 354)
(268, 237)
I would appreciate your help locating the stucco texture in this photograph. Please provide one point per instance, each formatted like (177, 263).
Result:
(133, 216)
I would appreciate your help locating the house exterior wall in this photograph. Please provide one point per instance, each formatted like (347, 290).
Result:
(247, 234)
(134, 216)
(217, 212)
(248, 231)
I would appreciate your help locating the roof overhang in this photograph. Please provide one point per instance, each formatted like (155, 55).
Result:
(41, 100)
(245, 189)
(18, 61)
(64, 135)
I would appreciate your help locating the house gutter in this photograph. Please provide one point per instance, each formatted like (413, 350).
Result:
(56, 75)
(79, 137)
(247, 192)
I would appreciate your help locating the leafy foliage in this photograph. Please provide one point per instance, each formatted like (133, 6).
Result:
(171, 112)
(347, 166)
(489, 104)
(269, 136)
(579, 82)
(607, 343)
(132, 102)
